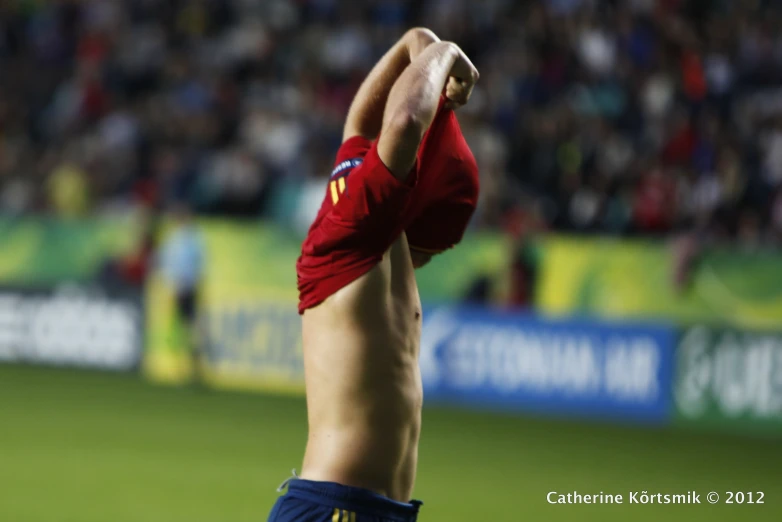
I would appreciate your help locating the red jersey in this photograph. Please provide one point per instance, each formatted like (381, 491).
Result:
(366, 208)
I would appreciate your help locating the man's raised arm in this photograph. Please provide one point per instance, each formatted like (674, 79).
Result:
(414, 98)
(365, 117)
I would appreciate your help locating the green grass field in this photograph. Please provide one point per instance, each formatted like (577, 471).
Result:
(88, 447)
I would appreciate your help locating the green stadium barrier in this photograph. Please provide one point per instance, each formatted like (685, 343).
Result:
(39, 251)
(620, 279)
(607, 278)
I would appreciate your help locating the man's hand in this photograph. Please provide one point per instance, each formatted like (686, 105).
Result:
(463, 74)
(457, 92)
(461, 81)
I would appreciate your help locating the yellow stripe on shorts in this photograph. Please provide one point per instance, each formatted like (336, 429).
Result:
(335, 517)
(352, 516)
(341, 183)
(334, 196)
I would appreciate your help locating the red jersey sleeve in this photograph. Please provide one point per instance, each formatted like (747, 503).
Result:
(365, 195)
(361, 216)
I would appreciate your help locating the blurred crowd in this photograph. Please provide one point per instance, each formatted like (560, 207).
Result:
(643, 117)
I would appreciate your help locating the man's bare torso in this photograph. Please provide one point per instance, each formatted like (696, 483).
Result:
(362, 332)
(364, 391)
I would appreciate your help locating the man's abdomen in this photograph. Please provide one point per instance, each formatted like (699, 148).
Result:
(364, 391)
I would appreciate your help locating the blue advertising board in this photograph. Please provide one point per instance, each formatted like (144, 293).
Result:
(499, 360)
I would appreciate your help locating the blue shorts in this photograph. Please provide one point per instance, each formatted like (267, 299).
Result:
(309, 501)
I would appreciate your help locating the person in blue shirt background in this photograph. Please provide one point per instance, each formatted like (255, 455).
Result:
(182, 265)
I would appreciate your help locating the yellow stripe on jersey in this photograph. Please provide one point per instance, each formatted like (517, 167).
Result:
(334, 193)
(341, 182)
(335, 517)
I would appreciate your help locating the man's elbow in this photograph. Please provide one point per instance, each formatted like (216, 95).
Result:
(408, 126)
(422, 36)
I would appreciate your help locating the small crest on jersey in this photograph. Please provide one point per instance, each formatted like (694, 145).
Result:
(346, 165)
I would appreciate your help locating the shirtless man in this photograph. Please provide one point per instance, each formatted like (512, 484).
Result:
(403, 188)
